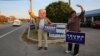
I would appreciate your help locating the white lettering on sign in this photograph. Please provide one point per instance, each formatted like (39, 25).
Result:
(60, 31)
(75, 37)
(49, 27)
(56, 35)
(61, 25)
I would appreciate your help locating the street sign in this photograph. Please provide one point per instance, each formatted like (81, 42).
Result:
(75, 37)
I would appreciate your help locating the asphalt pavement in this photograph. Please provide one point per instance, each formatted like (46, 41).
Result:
(11, 43)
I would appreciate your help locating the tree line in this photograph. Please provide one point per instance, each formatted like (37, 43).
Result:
(3, 19)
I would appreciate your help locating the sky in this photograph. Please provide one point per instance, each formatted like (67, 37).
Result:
(19, 8)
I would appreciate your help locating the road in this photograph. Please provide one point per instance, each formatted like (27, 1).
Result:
(10, 41)
(11, 44)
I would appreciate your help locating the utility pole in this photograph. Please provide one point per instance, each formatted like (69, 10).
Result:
(30, 8)
(30, 4)
(32, 16)
(69, 2)
(61, 0)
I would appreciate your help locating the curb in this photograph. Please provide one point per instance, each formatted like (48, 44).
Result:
(49, 41)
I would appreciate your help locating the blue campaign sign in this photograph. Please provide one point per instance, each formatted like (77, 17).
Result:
(75, 37)
(58, 35)
(50, 28)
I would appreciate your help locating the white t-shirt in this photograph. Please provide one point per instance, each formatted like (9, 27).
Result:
(41, 24)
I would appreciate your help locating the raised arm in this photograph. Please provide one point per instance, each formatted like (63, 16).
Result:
(82, 11)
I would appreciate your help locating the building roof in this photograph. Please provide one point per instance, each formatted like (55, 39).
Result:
(92, 13)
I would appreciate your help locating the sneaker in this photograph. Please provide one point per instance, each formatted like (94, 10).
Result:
(68, 51)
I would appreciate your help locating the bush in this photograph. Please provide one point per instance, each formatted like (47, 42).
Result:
(58, 11)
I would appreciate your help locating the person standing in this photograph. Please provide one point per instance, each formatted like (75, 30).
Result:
(41, 22)
(74, 26)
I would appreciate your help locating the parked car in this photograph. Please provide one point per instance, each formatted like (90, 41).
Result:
(16, 23)
(95, 24)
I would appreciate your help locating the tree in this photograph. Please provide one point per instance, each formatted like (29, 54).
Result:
(3, 18)
(58, 11)
(12, 18)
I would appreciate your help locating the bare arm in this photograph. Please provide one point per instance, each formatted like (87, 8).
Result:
(82, 11)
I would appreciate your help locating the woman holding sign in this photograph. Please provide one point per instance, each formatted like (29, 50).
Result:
(74, 26)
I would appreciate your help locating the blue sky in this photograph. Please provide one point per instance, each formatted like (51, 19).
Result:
(19, 8)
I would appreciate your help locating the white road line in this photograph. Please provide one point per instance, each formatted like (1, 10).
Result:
(9, 32)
